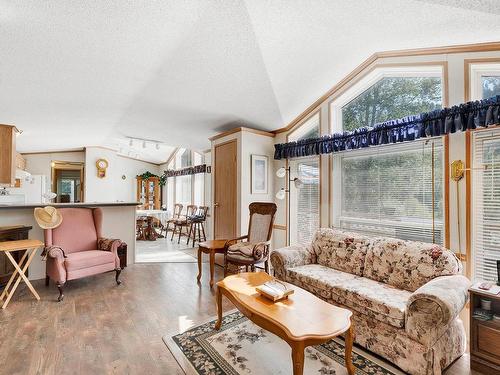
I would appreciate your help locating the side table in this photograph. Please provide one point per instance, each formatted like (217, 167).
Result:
(21, 267)
(211, 247)
(484, 335)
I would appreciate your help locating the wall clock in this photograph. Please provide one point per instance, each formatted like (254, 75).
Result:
(101, 165)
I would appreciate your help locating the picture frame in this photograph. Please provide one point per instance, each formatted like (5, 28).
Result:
(259, 174)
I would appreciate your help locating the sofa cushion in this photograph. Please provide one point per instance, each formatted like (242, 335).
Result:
(344, 251)
(372, 298)
(408, 264)
(317, 279)
(87, 259)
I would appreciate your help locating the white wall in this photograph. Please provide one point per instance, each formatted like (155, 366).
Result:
(113, 188)
(255, 144)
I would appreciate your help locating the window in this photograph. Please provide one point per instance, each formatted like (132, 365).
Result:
(491, 86)
(388, 190)
(392, 98)
(199, 182)
(388, 93)
(486, 209)
(485, 80)
(183, 190)
(189, 189)
(305, 201)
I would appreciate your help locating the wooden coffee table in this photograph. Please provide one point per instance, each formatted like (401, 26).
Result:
(211, 247)
(301, 320)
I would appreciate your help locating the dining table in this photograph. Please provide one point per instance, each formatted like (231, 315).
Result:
(161, 215)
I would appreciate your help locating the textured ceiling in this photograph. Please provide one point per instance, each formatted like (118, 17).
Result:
(85, 73)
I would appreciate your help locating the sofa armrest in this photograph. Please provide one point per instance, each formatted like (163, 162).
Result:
(108, 244)
(291, 256)
(434, 305)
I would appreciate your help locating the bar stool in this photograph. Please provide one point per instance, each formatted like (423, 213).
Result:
(197, 223)
(30, 247)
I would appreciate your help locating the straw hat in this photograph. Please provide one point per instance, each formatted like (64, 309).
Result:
(48, 217)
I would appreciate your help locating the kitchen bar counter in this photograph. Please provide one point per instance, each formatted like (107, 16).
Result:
(62, 205)
(118, 222)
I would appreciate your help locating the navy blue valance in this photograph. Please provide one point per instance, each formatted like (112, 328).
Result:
(202, 168)
(470, 115)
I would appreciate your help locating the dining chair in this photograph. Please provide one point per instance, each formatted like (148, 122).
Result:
(184, 221)
(175, 215)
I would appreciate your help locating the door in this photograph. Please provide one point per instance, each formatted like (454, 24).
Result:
(225, 198)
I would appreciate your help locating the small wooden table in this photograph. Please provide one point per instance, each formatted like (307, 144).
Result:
(301, 320)
(211, 247)
(19, 274)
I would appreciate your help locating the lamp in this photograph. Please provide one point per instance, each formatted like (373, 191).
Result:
(281, 194)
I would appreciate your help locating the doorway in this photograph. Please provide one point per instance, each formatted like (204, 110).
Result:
(68, 181)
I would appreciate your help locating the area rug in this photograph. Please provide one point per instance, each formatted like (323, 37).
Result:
(241, 347)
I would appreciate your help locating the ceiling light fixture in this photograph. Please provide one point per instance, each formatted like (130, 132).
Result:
(143, 144)
(131, 142)
(157, 146)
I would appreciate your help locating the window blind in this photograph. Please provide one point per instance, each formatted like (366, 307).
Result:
(305, 201)
(183, 190)
(486, 204)
(199, 185)
(394, 191)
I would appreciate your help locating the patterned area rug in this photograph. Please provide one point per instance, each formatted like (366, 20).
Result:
(241, 347)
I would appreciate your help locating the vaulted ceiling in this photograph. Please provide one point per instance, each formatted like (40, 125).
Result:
(86, 73)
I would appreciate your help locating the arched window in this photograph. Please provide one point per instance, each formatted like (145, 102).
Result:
(393, 190)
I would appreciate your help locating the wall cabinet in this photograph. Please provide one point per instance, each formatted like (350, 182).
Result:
(8, 155)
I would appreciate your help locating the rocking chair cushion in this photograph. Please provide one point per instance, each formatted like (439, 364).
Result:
(246, 251)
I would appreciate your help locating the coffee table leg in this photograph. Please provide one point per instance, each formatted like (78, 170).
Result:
(348, 350)
(298, 358)
(219, 309)
(200, 254)
(212, 267)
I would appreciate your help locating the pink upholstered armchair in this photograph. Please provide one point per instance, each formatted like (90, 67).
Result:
(76, 248)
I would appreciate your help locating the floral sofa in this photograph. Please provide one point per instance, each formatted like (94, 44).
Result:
(405, 296)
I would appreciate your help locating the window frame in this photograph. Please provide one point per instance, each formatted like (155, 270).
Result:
(478, 69)
(173, 164)
(291, 136)
(471, 69)
(363, 82)
(377, 73)
(474, 189)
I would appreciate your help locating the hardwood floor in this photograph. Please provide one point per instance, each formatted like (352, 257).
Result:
(101, 328)
(163, 250)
